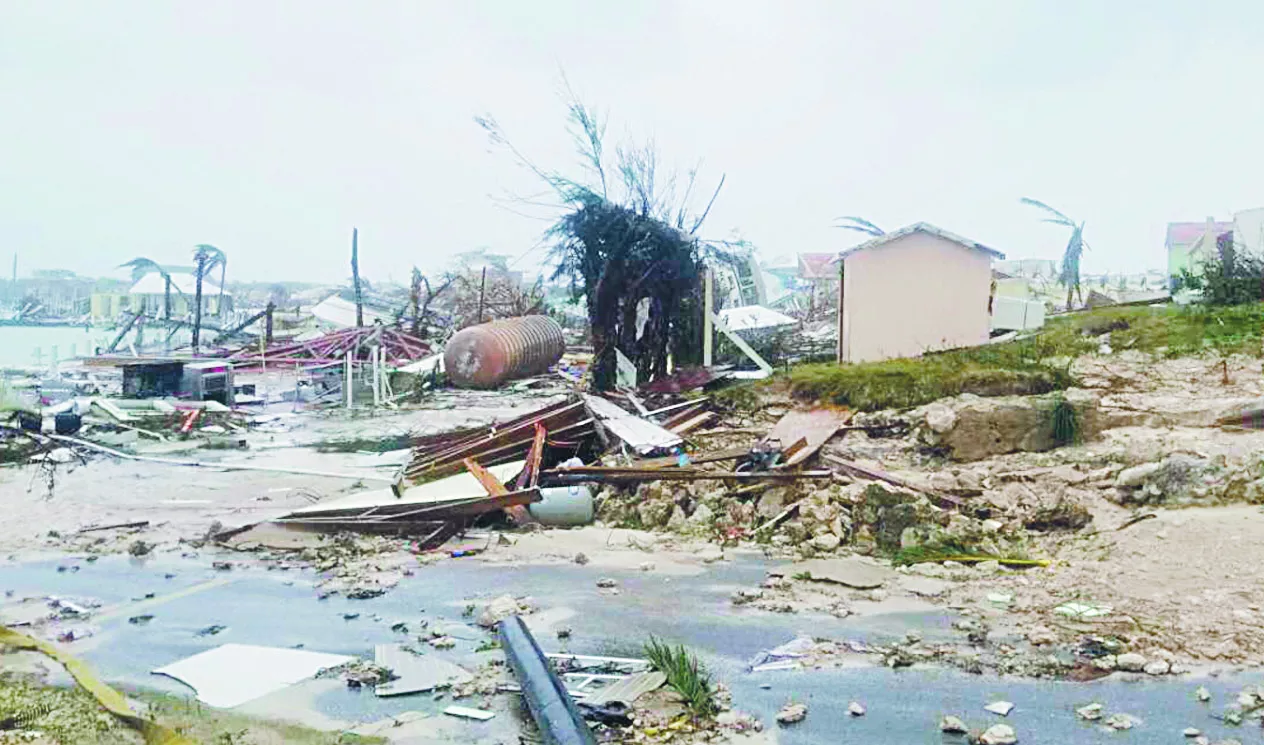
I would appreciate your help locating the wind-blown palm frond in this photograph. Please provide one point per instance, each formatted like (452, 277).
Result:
(1060, 218)
(1070, 270)
(860, 225)
(141, 266)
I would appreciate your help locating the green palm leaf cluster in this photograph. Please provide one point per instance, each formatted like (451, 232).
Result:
(1075, 248)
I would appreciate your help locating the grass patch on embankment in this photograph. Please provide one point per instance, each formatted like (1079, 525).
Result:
(1034, 365)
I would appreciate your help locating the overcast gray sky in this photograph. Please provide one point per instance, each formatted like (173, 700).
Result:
(135, 127)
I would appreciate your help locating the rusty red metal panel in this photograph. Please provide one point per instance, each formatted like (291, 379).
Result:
(490, 354)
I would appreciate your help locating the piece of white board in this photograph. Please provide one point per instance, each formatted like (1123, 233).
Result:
(233, 674)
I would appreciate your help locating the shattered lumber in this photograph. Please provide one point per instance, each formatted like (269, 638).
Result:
(444, 510)
(642, 435)
(436, 456)
(333, 347)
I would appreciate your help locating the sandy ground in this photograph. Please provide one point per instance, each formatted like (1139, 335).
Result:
(184, 503)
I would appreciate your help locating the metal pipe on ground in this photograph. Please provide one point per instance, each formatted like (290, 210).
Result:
(551, 707)
(491, 354)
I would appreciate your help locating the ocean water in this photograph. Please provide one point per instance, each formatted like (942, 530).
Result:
(25, 346)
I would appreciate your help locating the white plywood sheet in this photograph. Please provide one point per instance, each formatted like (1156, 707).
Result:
(233, 674)
(461, 486)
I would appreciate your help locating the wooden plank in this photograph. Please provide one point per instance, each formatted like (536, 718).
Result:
(490, 483)
(816, 426)
(740, 343)
(875, 474)
(601, 474)
(690, 425)
(670, 461)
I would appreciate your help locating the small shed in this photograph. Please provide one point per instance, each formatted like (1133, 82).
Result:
(916, 290)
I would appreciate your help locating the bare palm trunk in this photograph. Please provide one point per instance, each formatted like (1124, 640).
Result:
(355, 275)
(219, 304)
(197, 302)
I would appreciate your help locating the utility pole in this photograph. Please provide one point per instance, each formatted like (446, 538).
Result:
(355, 276)
(482, 287)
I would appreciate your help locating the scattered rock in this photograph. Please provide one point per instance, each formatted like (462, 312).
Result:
(501, 608)
(849, 572)
(365, 593)
(791, 713)
(1191, 732)
(826, 542)
(564, 632)
(581, 558)
(1202, 694)
(221, 566)
(1130, 662)
(1137, 475)
(856, 709)
(1042, 636)
(745, 596)
(973, 427)
(140, 548)
(647, 566)
(1089, 713)
(1158, 667)
(606, 583)
(953, 726)
(443, 642)
(702, 516)
(1120, 721)
(1003, 708)
(999, 734)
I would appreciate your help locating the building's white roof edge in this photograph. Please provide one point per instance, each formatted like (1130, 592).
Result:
(922, 227)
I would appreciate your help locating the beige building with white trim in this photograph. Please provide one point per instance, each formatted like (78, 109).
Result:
(916, 290)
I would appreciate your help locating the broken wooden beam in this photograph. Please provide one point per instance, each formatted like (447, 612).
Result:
(874, 474)
(606, 474)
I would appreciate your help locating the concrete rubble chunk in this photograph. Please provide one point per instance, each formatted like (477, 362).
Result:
(849, 572)
(1003, 708)
(499, 609)
(826, 542)
(972, 428)
(1202, 694)
(1130, 662)
(999, 734)
(1191, 732)
(856, 709)
(953, 726)
(791, 713)
(1158, 667)
(1090, 713)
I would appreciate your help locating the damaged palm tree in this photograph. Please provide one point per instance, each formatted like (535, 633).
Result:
(1070, 273)
(631, 249)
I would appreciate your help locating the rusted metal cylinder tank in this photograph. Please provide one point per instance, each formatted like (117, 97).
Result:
(491, 354)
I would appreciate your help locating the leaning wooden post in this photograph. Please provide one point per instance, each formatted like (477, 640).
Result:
(708, 333)
(348, 380)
